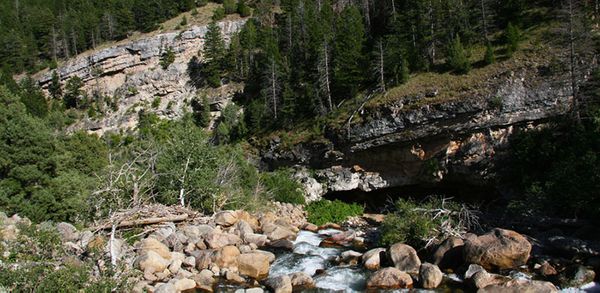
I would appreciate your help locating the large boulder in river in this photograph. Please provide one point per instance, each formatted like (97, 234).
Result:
(449, 254)
(254, 265)
(227, 257)
(389, 279)
(498, 249)
(430, 276)
(405, 258)
(372, 258)
(226, 218)
(520, 286)
(280, 284)
(301, 280)
(277, 232)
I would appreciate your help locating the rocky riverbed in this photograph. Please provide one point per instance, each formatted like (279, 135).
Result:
(279, 251)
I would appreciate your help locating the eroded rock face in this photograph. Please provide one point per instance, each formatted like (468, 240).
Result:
(132, 73)
(498, 249)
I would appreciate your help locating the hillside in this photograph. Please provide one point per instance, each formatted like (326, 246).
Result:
(299, 146)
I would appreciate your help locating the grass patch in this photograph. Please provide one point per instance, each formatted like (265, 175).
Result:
(326, 211)
(282, 187)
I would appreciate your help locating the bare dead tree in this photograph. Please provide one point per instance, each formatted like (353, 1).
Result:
(380, 65)
(484, 21)
(572, 69)
(273, 87)
(182, 182)
(324, 74)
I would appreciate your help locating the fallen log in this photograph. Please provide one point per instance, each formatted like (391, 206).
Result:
(144, 222)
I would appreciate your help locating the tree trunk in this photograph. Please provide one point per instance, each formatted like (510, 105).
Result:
(572, 61)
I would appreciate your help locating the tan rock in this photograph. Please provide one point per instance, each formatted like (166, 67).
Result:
(175, 266)
(166, 288)
(184, 284)
(152, 244)
(270, 256)
(371, 259)
(234, 277)
(217, 240)
(389, 278)
(254, 265)
(310, 227)
(204, 281)
(242, 228)
(280, 284)
(301, 280)
(498, 249)
(520, 286)
(226, 218)
(152, 262)
(405, 258)
(449, 254)
(248, 218)
(226, 257)
(430, 276)
(258, 239)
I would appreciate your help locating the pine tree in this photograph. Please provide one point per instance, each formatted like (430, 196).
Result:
(214, 54)
(55, 88)
(457, 58)
(489, 57)
(512, 37)
(73, 92)
(243, 9)
(349, 61)
(229, 6)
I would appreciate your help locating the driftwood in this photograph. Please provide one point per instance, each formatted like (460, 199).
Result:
(146, 221)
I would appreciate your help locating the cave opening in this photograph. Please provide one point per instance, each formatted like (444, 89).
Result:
(381, 200)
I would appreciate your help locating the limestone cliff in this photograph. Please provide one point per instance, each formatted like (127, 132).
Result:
(424, 139)
(131, 75)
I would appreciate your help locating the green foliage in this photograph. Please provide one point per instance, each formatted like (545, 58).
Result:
(33, 98)
(348, 70)
(167, 58)
(201, 111)
(457, 58)
(325, 211)
(512, 37)
(558, 170)
(243, 9)
(55, 87)
(156, 102)
(415, 223)
(218, 14)
(282, 187)
(229, 6)
(43, 175)
(490, 56)
(214, 55)
(184, 21)
(231, 125)
(73, 94)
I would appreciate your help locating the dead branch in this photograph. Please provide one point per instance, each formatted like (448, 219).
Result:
(143, 222)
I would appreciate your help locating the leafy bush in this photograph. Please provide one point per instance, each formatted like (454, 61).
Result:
(282, 187)
(325, 211)
(167, 58)
(417, 224)
(229, 6)
(218, 14)
(243, 9)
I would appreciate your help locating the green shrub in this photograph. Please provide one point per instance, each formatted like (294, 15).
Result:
(243, 9)
(490, 57)
(167, 58)
(184, 21)
(325, 211)
(218, 14)
(156, 102)
(282, 187)
(512, 37)
(229, 6)
(417, 223)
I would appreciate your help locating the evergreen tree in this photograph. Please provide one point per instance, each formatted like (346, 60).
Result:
(490, 56)
(457, 58)
(243, 9)
(348, 56)
(55, 87)
(167, 58)
(33, 98)
(512, 37)
(214, 54)
(72, 97)
(229, 6)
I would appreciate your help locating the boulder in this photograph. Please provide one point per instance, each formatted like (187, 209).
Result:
(430, 276)
(217, 240)
(258, 239)
(280, 284)
(254, 265)
(282, 243)
(350, 257)
(310, 227)
(576, 276)
(248, 218)
(270, 256)
(301, 280)
(276, 232)
(234, 277)
(498, 249)
(67, 232)
(150, 261)
(226, 218)
(204, 258)
(242, 228)
(184, 284)
(226, 257)
(166, 288)
(520, 286)
(204, 281)
(152, 244)
(449, 254)
(482, 279)
(404, 258)
(175, 266)
(389, 279)
(546, 269)
(372, 258)
(375, 219)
